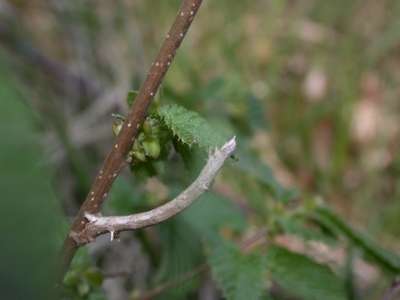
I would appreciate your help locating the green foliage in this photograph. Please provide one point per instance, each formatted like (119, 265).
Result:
(190, 128)
(181, 253)
(264, 92)
(83, 280)
(303, 277)
(240, 276)
(300, 227)
(219, 212)
(125, 197)
(373, 250)
(252, 166)
(30, 218)
(182, 238)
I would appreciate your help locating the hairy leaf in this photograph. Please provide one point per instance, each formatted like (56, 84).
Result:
(190, 128)
(302, 276)
(238, 275)
(181, 253)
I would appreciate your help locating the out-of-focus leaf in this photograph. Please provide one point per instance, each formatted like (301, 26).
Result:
(386, 259)
(211, 213)
(124, 198)
(181, 253)
(30, 220)
(303, 277)
(239, 276)
(298, 226)
(82, 279)
(251, 165)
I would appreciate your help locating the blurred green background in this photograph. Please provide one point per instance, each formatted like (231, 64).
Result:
(310, 87)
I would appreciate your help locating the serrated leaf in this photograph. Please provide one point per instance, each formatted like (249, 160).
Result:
(303, 277)
(190, 128)
(239, 276)
(386, 259)
(181, 253)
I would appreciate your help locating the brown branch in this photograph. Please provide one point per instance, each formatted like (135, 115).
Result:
(116, 159)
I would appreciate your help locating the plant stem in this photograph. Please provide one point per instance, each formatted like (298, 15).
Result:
(116, 159)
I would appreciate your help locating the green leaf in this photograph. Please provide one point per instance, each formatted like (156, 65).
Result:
(125, 197)
(386, 259)
(297, 225)
(190, 128)
(219, 213)
(252, 166)
(303, 277)
(239, 276)
(181, 253)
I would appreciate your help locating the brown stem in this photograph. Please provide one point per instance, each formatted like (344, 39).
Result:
(116, 159)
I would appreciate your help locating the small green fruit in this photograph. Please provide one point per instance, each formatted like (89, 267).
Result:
(139, 155)
(72, 278)
(141, 137)
(151, 127)
(147, 126)
(152, 148)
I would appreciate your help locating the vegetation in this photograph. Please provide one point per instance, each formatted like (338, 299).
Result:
(306, 208)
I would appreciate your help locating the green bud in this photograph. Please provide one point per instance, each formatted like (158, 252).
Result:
(136, 146)
(83, 288)
(72, 278)
(117, 123)
(152, 148)
(94, 277)
(141, 137)
(117, 126)
(147, 126)
(139, 155)
(151, 126)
